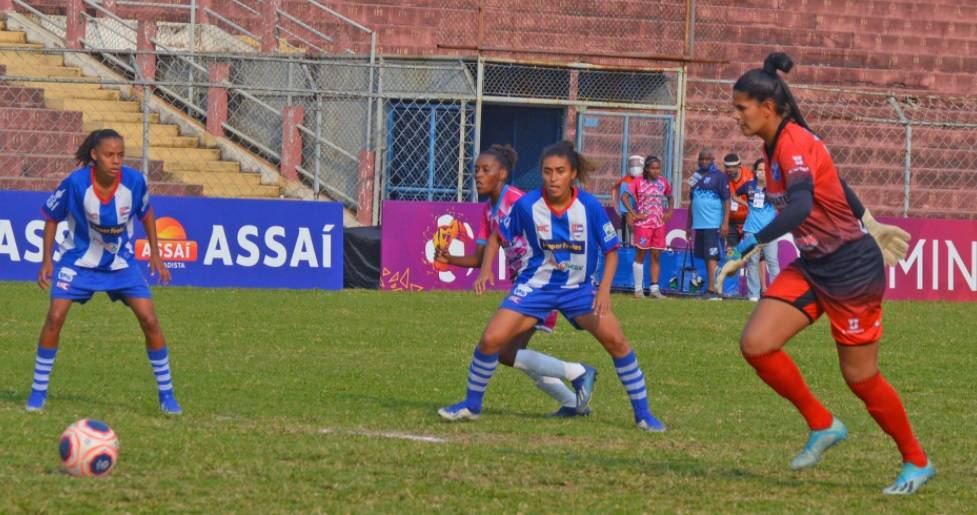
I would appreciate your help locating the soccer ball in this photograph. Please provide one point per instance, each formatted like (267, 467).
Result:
(89, 448)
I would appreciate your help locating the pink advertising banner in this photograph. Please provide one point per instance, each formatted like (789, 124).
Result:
(409, 233)
(941, 264)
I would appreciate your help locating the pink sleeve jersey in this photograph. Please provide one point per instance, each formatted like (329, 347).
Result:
(515, 251)
(651, 198)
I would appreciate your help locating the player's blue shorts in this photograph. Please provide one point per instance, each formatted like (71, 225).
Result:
(537, 303)
(79, 284)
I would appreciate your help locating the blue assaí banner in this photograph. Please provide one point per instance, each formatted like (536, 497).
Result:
(204, 241)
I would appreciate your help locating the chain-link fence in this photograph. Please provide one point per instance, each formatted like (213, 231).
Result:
(904, 155)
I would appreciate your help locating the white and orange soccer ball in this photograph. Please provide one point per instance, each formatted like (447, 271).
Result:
(89, 448)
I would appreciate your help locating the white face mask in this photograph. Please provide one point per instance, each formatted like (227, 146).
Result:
(635, 171)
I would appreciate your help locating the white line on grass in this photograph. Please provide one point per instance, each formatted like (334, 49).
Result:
(385, 434)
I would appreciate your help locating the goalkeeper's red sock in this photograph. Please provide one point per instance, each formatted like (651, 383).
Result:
(886, 408)
(779, 371)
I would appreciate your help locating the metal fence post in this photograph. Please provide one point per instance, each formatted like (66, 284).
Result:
(679, 138)
(193, 54)
(378, 149)
(479, 92)
(908, 162)
(461, 150)
(318, 145)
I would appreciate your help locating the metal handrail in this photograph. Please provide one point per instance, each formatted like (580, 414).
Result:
(153, 4)
(300, 38)
(328, 143)
(304, 25)
(341, 17)
(246, 7)
(231, 23)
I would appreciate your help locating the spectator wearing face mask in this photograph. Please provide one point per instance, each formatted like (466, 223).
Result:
(621, 190)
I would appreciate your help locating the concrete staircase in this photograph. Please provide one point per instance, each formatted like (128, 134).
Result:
(184, 160)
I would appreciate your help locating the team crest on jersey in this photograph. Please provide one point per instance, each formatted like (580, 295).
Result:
(124, 211)
(67, 275)
(577, 231)
(543, 228)
(799, 160)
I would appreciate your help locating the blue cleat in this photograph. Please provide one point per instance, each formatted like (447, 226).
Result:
(584, 386)
(651, 424)
(570, 411)
(457, 412)
(36, 400)
(817, 443)
(168, 404)
(911, 478)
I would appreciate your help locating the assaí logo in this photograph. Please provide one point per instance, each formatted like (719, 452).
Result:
(174, 247)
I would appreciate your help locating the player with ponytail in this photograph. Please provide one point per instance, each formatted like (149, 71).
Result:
(840, 273)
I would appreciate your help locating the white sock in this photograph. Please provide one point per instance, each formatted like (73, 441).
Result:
(554, 388)
(654, 287)
(639, 276)
(544, 365)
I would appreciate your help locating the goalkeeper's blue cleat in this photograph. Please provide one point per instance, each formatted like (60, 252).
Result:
(570, 411)
(584, 386)
(168, 404)
(36, 400)
(651, 424)
(460, 411)
(911, 478)
(817, 443)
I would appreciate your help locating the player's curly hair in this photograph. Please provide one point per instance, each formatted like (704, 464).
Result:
(504, 154)
(84, 152)
(579, 162)
(765, 83)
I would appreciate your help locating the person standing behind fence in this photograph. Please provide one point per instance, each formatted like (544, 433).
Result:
(649, 209)
(738, 176)
(761, 213)
(621, 190)
(709, 216)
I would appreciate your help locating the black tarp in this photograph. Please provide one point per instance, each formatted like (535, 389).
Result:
(361, 257)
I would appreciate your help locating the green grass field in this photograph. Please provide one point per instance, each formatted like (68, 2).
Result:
(288, 394)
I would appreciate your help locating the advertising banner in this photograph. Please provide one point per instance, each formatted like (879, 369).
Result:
(941, 264)
(204, 241)
(410, 232)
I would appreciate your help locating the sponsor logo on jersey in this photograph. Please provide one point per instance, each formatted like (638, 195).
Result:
(522, 290)
(775, 171)
(556, 245)
(63, 285)
(543, 228)
(66, 274)
(55, 199)
(609, 232)
(107, 230)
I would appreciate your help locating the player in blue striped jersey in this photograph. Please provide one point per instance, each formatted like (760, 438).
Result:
(99, 203)
(565, 231)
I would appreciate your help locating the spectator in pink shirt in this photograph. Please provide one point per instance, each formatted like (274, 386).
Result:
(649, 210)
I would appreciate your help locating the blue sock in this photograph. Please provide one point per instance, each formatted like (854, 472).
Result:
(479, 373)
(633, 380)
(160, 360)
(43, 364)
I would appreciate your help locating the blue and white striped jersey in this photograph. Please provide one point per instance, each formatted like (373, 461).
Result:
(563, 246)
(99, 229)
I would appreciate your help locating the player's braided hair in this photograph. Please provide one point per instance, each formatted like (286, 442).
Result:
(651, 158)
(579, 162)
(504, 154)
(763, 83)
(84, 152)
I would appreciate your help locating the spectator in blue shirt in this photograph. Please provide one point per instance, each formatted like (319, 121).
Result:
(709, 215)
(761, 213)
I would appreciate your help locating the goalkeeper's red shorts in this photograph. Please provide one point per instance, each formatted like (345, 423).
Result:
(847, 285)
